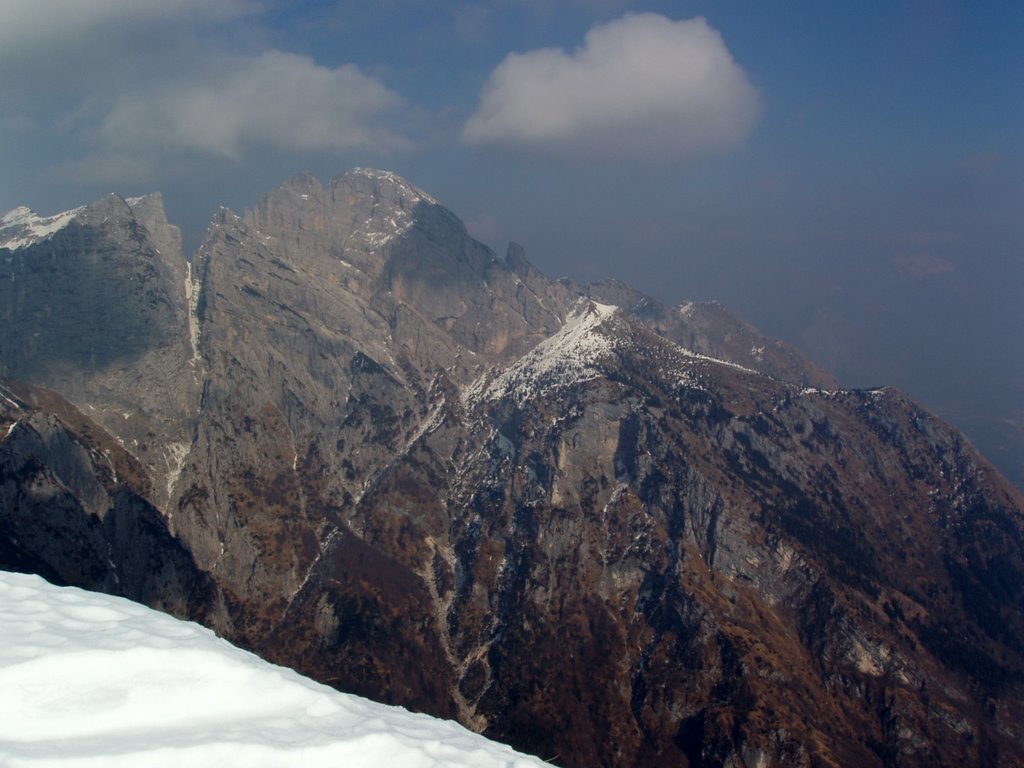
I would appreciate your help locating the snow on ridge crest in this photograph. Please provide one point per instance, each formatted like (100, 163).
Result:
(23, 226)
(395, 218)
(410, 194)
(569, 357)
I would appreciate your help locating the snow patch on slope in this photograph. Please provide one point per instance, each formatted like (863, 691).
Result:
(23, 226)
(192, 289)
(378, 233)
(569, 357)
(719, 361)
(94, 680)
(174, 456)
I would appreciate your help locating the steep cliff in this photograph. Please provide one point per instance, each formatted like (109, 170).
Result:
(75, 508)
(94, 304)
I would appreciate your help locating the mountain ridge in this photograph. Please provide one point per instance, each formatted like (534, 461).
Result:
(600, 527)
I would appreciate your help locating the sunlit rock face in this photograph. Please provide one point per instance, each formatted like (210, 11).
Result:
(606, 531)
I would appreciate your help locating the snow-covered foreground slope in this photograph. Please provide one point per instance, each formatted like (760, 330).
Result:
(92, 680)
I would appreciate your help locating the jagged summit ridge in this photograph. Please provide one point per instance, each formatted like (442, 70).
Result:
(388, 178)
(351, 219)
(95, 308)
(395, 203)
(22, 226)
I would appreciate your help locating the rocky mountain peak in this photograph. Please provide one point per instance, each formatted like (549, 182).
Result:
(384, 186)
(353, 220)
(94, 306)
(22, 226)
(515, 258)
(587, 523)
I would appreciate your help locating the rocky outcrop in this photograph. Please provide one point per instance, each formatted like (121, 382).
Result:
(74, 509)
(98, 310)
(606, 531)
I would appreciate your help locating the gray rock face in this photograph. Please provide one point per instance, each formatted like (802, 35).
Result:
(98, 311)
(73, 509)
(609, 532)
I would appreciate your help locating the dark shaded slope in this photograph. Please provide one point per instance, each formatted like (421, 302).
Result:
(73, 509)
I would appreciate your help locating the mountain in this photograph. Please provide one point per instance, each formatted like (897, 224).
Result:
(94, 306)
(605, 531)
(87, 679)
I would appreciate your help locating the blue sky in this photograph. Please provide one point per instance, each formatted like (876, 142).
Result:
(847, 175)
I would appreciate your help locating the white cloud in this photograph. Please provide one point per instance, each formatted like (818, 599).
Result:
(274, 100)
(28, 24)
(642, 87)
(54, 52)
(138, 86)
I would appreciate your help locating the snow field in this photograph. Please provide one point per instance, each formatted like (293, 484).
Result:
(93, 680)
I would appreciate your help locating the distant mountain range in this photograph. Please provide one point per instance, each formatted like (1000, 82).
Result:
(346, 435)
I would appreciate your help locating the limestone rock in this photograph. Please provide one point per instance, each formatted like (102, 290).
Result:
(606, 531)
